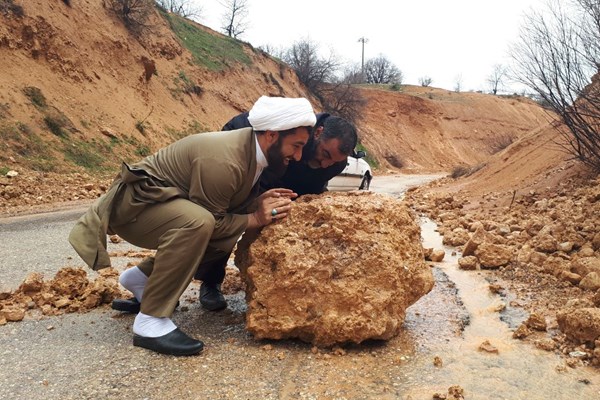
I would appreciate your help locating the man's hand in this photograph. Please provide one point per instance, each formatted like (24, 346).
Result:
(273, 205)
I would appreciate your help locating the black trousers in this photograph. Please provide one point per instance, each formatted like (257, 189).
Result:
(213, 272)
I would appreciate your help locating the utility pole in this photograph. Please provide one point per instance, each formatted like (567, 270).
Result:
(363, 40)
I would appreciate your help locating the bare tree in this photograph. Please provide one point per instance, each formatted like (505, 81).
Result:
(312, 70)
(382, 70)
(425, 81)
(556, 56)
(184, 8)
(234, 18)
(342, 99)
(352, 74)
(496, 78)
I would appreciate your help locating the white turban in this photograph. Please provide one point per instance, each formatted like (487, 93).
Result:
(281, 113)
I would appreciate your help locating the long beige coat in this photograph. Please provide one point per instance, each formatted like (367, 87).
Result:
(214, 170)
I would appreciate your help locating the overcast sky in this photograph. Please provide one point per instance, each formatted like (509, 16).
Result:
(442, 39)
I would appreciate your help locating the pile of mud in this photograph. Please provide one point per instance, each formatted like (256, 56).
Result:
(342, 268)
(69, 291)
(544, 247)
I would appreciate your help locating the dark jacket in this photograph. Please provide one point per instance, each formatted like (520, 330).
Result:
(299, 176)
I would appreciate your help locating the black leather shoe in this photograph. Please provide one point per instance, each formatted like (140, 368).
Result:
(175, 343)
(211, 297)
(130, 305)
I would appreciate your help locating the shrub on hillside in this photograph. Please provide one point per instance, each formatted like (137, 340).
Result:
(394, 160)
(36, 96)
(460, 170)
(465, 170)
(499, 143)
(134, 13)
(9, 7)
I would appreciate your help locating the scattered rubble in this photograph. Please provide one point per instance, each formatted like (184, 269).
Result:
(69, 291)
(544, 247)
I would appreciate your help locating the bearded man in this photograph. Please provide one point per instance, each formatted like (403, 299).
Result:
(190, 201)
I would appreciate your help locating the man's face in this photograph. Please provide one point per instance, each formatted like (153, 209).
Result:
(326, 153)
(286, 149)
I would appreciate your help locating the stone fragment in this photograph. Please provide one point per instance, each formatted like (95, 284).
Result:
(321, 277)
(13, 314)
(545, 344)
(565, 247)
(570, 277)
(488, 347)
(437, 255)
(596, 241)
(478, 237)
(493, 255)
(521, 332)
(591, 281)
(457, 237)
(468, 263)
(584, 265)
(581, 324)
(33, 283)
(536, 321)
(545, 243)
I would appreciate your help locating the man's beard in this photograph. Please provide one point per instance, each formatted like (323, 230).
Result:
(276, 159)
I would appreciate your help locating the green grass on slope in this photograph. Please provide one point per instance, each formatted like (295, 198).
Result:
(214, 52)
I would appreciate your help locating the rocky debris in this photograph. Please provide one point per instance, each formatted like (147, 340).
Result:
(545, 246)
(455, 392)
(321, 277)
(28, 189)
(69, 291)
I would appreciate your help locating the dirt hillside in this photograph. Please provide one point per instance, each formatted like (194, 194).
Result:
(79, 93)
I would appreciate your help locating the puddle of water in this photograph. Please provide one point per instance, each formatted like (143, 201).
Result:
(517, 371)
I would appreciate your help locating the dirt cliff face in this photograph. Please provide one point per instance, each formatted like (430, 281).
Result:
(422, 129)
(325, 278)
(80, 91)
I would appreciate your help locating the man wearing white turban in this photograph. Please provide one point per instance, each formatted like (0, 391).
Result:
(190, 202)
(325, 155)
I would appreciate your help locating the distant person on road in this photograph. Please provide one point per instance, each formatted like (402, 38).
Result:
(191, 201)
(325, 155)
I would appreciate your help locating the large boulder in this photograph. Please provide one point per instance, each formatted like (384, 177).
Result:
(342, 268)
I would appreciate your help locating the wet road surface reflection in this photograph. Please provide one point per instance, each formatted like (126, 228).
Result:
(517, 371)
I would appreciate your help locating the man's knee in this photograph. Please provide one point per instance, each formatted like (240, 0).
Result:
(202, 223)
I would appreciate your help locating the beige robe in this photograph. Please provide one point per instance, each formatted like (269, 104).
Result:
(214, 170)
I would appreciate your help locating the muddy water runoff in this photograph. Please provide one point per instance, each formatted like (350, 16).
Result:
(454, 319)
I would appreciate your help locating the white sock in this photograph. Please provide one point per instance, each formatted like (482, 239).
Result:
(149, 326)
(134, 280)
